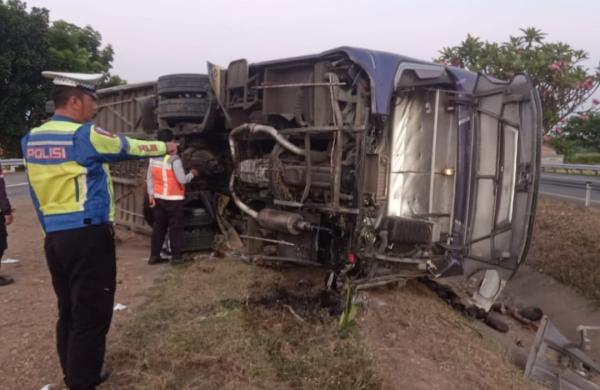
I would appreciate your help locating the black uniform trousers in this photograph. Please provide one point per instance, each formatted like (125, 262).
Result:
(82, 263)
(3, 235)
(168, 215)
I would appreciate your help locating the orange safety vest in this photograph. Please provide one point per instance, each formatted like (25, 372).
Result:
(165, 183)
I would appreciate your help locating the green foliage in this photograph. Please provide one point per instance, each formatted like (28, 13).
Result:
(77, 49)
(583, 158)
(584, 130)
(563, 146)
(555, 68)
(22, 58)
(27, 47)
(112, 80)
(350, 311)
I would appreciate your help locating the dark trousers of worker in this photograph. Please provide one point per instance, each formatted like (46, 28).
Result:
(168, 215)
(3, 236)
(82, 263)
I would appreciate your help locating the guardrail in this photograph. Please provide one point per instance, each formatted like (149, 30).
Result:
(572, 168)
(12, 163)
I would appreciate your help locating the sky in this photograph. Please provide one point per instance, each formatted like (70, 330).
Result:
(152, 38)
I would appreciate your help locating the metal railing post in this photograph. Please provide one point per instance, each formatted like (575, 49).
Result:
(588, 193)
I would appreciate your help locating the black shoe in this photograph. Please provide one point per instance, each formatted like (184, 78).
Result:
(157, 260)
(4, 280)
(104, 375)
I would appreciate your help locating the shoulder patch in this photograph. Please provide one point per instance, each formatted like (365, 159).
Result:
(106, 133)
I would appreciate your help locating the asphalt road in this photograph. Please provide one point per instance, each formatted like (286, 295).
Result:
(16, 185)
(569, 187)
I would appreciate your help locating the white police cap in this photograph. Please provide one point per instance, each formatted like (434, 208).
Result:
(77, 80)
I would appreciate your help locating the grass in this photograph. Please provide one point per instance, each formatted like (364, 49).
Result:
(226, 325)
(222, 324)
(583, 158)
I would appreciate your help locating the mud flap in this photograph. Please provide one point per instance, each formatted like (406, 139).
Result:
(489, 290)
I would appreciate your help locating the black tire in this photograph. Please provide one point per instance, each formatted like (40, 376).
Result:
(197, 217)
(176, 85)
(183, 110)
(149, 120)
(198, 239)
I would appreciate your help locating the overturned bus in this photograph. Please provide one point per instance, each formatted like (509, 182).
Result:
(376, 166)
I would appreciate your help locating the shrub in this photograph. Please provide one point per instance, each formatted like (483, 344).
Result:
(583, 158)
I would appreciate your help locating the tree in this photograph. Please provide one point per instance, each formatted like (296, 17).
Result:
(583, 130)
(27, 47)
(77, 49)
(555, 68)
(23, 50)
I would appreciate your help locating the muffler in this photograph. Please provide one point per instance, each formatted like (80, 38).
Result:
(282, 221)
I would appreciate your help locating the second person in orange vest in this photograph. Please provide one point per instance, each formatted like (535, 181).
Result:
(166, 182)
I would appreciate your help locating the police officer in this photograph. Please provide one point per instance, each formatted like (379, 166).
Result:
(6, 218)
(67, 167)
(166, 192)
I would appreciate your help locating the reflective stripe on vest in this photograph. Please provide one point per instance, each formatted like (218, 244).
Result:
(165, 183)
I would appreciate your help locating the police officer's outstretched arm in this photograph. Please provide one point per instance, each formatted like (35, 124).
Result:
(93, 143)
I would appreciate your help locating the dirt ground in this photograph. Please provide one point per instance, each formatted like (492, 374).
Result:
(566, 245)
(28, 358)
(420, 343)
(234, 333)
(561, 275)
